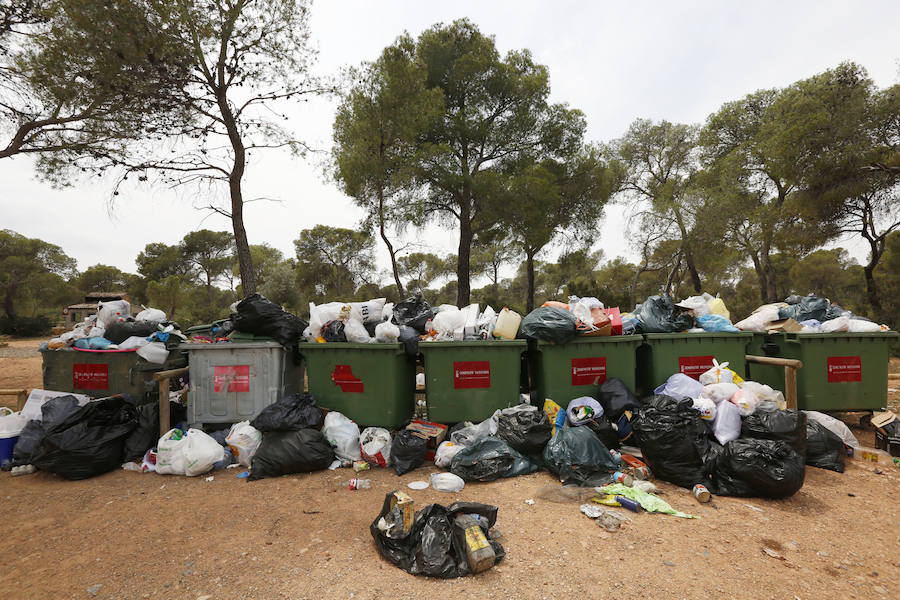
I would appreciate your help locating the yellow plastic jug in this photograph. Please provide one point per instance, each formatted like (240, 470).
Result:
(507, 325)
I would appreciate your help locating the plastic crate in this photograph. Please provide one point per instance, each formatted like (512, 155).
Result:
(468, 381)
(373, 384)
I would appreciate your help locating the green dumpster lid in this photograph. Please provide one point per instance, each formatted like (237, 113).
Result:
(606, 339)
(842, 335)
(704, 335)
(474, 344)
(377, 347)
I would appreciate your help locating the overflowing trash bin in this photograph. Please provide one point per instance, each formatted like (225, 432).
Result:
(692, 354)
(373, 384)
(564, 372)
(468, 381)
(841, 371)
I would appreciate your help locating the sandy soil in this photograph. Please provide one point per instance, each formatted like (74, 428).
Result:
(306, 536)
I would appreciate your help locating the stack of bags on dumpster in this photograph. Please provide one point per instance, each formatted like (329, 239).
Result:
(695, 314)
(807, 314)
(734, 436)
(113, 328)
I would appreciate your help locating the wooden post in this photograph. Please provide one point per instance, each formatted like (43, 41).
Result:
(790, 374)
(21, 397)
(163, 378)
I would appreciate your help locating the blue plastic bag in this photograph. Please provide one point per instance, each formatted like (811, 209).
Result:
(716, 323)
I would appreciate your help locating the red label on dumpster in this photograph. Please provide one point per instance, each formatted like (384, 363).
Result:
(586, 370)
(695, 366)
(234, 378)
(343, 377)
(470, 374)
(90, 377)
(843, 369)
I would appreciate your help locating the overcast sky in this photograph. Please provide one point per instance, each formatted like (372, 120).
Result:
(615, 61)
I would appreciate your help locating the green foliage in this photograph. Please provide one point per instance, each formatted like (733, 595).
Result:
(420, 269)
(333, 261)
(26, 265)
(157, 261)
(102, 278)
(20, 326)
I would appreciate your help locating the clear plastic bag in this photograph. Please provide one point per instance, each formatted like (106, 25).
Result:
(343, 435)
(447, 482)
(243, 440)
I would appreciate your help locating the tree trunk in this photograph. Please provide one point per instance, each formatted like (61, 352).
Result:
(771, 293)
(465, 247)
(875, 252)
(387, 243)
(688, 253)
(8, 302)
(761, 276)
(529, 300)
(670, 280)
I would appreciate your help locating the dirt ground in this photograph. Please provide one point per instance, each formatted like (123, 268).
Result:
(126, 535)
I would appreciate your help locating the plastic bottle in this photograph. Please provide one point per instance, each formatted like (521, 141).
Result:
(359, 484)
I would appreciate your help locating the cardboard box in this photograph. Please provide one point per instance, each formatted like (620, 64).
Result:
(433, 432)
(405, 503)
(784, 326)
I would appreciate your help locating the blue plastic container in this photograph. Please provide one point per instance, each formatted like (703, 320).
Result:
(6, 448)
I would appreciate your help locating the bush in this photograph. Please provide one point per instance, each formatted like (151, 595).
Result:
(24, 326)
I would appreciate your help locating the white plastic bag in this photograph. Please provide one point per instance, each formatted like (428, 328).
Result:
(758, 320)
(150, 314)
(319, 315)
(447, 482)
(116, 311)
(706, 407)
(243, 440)
(746, 401)
(469, 327)
(386, 333)
(446, 322)
(170, 453)
(11, 423)
(699, 305)
(134, 342)
(861, 326)
(835, 325)
(717, 374)
(836, 426)
(469, 435)
(98, 330)
(375, 446)
(356, 332)
(445, 453)
(201, 452)
(680, 386)
(727, 424)
(717, 392)
(343, 435)
(368, 312)
(154, 352)
(765, 394)
(486, 323)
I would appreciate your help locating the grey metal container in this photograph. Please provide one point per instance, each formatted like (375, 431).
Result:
(232, 382)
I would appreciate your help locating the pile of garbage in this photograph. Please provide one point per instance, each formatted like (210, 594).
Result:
(254, 316)
(807, 314)
(113, 328)
(694, 314)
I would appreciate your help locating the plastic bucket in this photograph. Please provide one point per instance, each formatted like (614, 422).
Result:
(6, 448)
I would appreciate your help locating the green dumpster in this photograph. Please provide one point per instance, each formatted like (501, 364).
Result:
(373, 384)
(101, 373)
(841, 371)
(468, 381)
(663, 354)
(568, 371)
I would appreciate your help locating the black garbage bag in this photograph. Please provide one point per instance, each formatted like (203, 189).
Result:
(674, 440)
(370, 327)
(291, 413)
(256, 315)
(761, 468)
(549, 324)
(604, 431)
(285, 452)
(579, 458)
(824, 448)
(658, 314)
(431, 548)
(88, 442)
(793, 299)
(810, 307)
(413, 312)
(146, 434)
(786, 425)
(408, 451)
(526, 429)
(615, 398)
(333, 331)
(490, 458)
(119, 332)
(409, 337)
(52, 411)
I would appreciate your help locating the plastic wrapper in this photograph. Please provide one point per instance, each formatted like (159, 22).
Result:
(408, 451)
(286, 452)
(430, 548)
(578, 457)
(488, 459)
(291, 413)
(256, 315)
(658, 314)
(674, 440)
(550, 325)
(762, 468)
